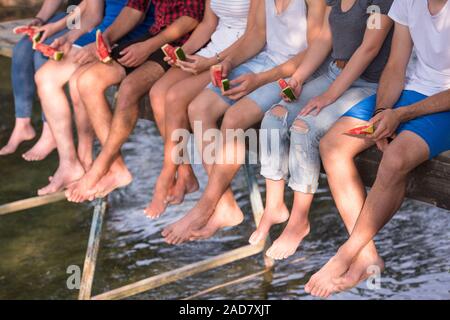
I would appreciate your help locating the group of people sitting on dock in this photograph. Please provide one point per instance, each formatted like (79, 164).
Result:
(346, 61)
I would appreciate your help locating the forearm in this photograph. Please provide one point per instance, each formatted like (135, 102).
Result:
(175, 31)
(313, 59)
(125, 22)
(434, 104)
(356, 66)
(48, 9)
(392, 83)
(247, 47)
(199, 37)
(284, 70)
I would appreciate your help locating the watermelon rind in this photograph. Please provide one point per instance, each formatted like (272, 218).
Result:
(288, 92)
(180, 54)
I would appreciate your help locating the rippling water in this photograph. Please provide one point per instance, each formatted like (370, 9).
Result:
(37, 246)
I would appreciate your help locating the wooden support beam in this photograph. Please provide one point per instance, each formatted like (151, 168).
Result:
(92, 250)
(227, 284)
(181, 273)
(30, 203)
(257, 208)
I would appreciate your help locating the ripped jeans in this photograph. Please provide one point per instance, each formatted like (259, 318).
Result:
(290, 143)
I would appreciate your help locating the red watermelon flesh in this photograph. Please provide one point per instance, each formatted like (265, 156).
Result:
(169, 51)
(362, 130)
(31, 32)
(217, 73)
(48, 51)
(283, 84)
(102, 48)
(286, 89)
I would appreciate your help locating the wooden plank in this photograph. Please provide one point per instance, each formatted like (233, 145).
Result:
(92, 250)
(31, 203)
(181, 273)
(227, 284)
(429, 183)
(257, 209)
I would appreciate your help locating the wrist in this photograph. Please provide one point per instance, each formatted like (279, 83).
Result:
(401, 114)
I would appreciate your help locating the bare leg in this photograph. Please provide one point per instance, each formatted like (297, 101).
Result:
(404, 154)
(296, 229)
(50, 80)
(83, 123)
(244, 114)
(131, 90)
(275, 211)
(174, 91)
(45, 145)
(23, 131)
(92, 85)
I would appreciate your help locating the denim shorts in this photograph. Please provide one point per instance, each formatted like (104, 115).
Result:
(433, 128)
(264, 96)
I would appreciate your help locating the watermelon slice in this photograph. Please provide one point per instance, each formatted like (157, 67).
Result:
(287, 90)
(48, 51)
(102, 48)
(225, 85)
(362, 130)
(169, 51)
(180, 54)
(217, 73)
(31, 32)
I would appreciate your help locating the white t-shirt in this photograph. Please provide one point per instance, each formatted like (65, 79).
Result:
(431, 37)
(232, 15)
(286, 32)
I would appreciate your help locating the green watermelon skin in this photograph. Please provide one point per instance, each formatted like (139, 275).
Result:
(180, 54)
(289, 93)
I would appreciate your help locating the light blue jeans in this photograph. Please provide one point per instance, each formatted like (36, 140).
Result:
(25, 63)
(291, 152)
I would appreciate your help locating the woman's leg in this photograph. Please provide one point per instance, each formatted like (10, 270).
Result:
(22, 74)
(51, 79)
(177, 108)
(85, 131)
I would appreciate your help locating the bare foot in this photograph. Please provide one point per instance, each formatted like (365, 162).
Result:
(363, 267)
(288, 242)
(223, 217)
(23, 131)
(45, 145)
(64, 176)
(183, 186)
(86, 159)
(114, 179)
(322, 283)
(181, 231)
(271, 216)
(159, 202)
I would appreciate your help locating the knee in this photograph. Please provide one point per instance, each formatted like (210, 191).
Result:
(231, 119)
(44, 79)
(157, 95)
(197, 109)
(393, 165)
(329, 147)
(127, 92)
(90, 82)
(275, 118)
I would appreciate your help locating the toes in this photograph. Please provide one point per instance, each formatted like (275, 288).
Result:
(255, 238)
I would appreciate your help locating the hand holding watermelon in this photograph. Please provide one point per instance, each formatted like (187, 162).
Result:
(291, 90)
(47, 31)
(85, 54)
(219, 72)
(31, 32)
(194, 64)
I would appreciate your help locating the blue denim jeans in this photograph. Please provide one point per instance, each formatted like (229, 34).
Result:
(25, 63)
(290, 151)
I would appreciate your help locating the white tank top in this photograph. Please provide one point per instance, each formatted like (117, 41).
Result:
(232, 22)
(286, 32)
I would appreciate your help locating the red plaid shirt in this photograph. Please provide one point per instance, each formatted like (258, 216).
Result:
(167, 11)
(141, 5)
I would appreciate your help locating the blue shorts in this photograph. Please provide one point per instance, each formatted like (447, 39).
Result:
(266, 96)
(433, 128)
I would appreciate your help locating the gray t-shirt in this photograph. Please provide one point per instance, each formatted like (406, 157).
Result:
(348, 29)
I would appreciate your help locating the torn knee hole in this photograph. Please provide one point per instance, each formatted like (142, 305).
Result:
(300, 126)
(279, 111)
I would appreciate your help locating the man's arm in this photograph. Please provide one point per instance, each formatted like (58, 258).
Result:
(438, 103)
(90, 18)
(125, 22)
(254, 38)
(316, 14)
(393, 79)
(48, 9)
